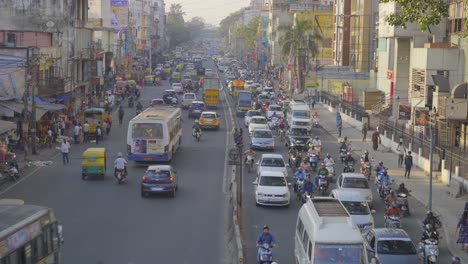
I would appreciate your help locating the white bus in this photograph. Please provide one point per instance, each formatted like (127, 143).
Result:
(155, 134)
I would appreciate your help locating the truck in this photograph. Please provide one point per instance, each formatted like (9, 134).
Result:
(237, 85)
(326, 233)
(244, 102)
(211, 96)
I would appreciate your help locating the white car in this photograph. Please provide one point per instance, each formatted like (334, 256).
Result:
(178, 88)
(187, 99)
(248, 85)
(271, 188)
(249, 115)
(209, 72)
(257, 122)
(268, 90)
(262, 139)
(275, 109)
(357, 183)
(356, 207)
(272, 162)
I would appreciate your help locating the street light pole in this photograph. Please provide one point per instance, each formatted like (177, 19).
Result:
(430, 166)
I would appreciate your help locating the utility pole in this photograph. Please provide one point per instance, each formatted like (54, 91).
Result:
(35, 75)
(430, 166)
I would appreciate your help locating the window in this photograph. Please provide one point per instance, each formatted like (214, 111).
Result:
(305, 240)
(147, 131)
(309, 252)
(300, 227)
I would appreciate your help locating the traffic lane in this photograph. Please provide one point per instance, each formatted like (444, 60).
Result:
(281, 220)
(102, 218)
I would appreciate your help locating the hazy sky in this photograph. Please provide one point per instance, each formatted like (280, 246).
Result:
(213, 11)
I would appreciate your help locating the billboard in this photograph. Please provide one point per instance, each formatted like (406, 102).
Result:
(421, 116)
(119, 14)
(404, 112)
(12, 71)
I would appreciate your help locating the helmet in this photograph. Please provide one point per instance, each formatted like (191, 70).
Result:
(402, 184)
(428, 227)
(265, 227)
(380, 162)
(348, 153)
(430, 214)
(119, 154)
(316, 137)
(196, 121)
(366, 152)
(328, 155)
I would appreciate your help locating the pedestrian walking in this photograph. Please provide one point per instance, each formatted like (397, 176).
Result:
(25, 148)
(65, 149)
(401, 154)
(462, 229)
(339, 123)
(364, 132)
(81, 136)
(408, 164)
(85, 131)
(76, 133)
(108, 127)
(98, 134)
(62, 128)
(312, 102)
(50, 137)
(375, 139)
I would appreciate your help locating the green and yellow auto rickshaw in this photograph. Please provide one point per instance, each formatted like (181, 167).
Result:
(93, 163)
(94, 117)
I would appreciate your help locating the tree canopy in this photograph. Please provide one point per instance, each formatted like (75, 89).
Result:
(249, 32)
(229, 20)
(424, 12)
(177, 31)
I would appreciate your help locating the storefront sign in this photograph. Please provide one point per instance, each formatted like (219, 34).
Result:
(421, 116)
(390, 75)
(404, 112)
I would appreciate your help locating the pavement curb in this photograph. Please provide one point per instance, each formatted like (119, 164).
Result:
(451, 245)
(235, 217)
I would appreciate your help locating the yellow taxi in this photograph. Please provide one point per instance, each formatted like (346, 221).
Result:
(209, 119)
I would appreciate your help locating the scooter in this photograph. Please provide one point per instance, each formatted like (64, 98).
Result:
(429, 250)
(392, 222)
(265, 254)
(316, 122)
(402, 203)
(368, 170)
(385, 190)
(299, 177)
(331, 169)
(343, 155)
(197, 134)
(295, 160)
(121, 177)
(13, 171)
(322, 185)
(349, 167)
(313, 161)
(305, 196)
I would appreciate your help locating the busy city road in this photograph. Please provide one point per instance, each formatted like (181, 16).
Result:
(282, 220)
(109, 223)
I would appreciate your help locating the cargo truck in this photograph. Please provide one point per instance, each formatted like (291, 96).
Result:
(211, 87)
(244, 102)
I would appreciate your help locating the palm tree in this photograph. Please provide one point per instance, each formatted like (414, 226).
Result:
(299, 38)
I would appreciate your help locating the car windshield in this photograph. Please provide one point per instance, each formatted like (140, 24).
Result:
(355, 183)
(272, 181)
(177, 85)
(301, 123)
(336, 253)
(158, 174)
(208, 115)
(198, 105)
(275, 108)
(262, 134)
(272, 162)
(299, 131)
(189, 96)
(395, 247)
(263, 96)
(258, 121)
(356, 208)
(301, 114)
(253, 113)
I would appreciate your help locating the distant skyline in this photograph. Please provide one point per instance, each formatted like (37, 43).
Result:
(213, 11)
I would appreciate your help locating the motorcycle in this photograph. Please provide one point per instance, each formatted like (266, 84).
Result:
(349, 167)
(130, 102)
(322, 185)
(331, 168)
(197, 134)
(392, 222)
(12, 172)
(313, 161)
(265, 254)
(305, 196)
(121, 177)
(250, 162)
(368, 170)
(316, 122)
(282, 134)
(429, 250)
(385, 190)
(343, 155)
(295, 160)
(402, 203)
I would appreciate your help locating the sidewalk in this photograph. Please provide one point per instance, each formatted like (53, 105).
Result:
(443, 203)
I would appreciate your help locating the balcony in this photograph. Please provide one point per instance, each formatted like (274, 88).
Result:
(307, 6)
(50, 87)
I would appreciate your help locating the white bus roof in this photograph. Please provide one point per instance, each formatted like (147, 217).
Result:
(163, 113)
(330, 221)
(14, 216)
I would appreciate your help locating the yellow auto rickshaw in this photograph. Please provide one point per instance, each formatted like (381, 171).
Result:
(93, 116)
(93, 163)
(149, 79)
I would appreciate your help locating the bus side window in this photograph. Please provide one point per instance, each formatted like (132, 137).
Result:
(300, 227)
(305, 240)
(309, 252)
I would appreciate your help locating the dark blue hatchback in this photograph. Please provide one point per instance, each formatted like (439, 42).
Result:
(159, 179)
(196, 108)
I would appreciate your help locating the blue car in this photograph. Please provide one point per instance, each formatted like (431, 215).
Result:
(159, 179)
(195, 109)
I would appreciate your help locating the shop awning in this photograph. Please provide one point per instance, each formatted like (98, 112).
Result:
(42, 107)
(6, 126)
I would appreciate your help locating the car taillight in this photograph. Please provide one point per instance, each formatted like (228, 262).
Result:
(170, 179)
(144, 178)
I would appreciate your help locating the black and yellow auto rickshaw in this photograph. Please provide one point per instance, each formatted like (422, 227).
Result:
(93, 163)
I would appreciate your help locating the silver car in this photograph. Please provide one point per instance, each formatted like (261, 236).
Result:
(389, 246)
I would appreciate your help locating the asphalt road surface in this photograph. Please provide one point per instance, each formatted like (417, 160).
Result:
(282, 220)
(108, 223)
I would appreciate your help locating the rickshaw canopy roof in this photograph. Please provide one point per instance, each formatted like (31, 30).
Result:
(94, 152)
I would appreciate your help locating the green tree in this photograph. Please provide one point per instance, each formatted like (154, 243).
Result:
(249, 32)
(228, 21)
(424, 12)
(176, 29)
(300, 36)
(196, 25)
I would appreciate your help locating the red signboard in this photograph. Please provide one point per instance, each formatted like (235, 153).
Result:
(390, 75)
(348, 94)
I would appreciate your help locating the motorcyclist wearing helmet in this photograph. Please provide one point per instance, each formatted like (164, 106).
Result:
(432, 220)
(402, 188)
(265, 238)
(343, 146)
(120, 164)
(317, 143)
(380, 167)
(196, 127)
(429, 233)
(308, 186)
(293, 152)
(322, 172)
(305, 165)
(393, 211)
(391, 197)
(328, 160)
(366, 156)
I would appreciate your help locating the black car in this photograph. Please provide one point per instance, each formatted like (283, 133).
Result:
(298, 137)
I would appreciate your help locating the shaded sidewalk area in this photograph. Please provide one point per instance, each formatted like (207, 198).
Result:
(444, 202)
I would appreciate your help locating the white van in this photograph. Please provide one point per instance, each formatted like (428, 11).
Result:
(326, 233)
(299, 112)
(356, 207)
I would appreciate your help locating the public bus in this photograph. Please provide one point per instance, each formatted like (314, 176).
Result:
(29, 234)
(155, 134)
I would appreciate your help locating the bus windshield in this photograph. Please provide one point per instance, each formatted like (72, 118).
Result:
(336, 253)
(147, 131)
